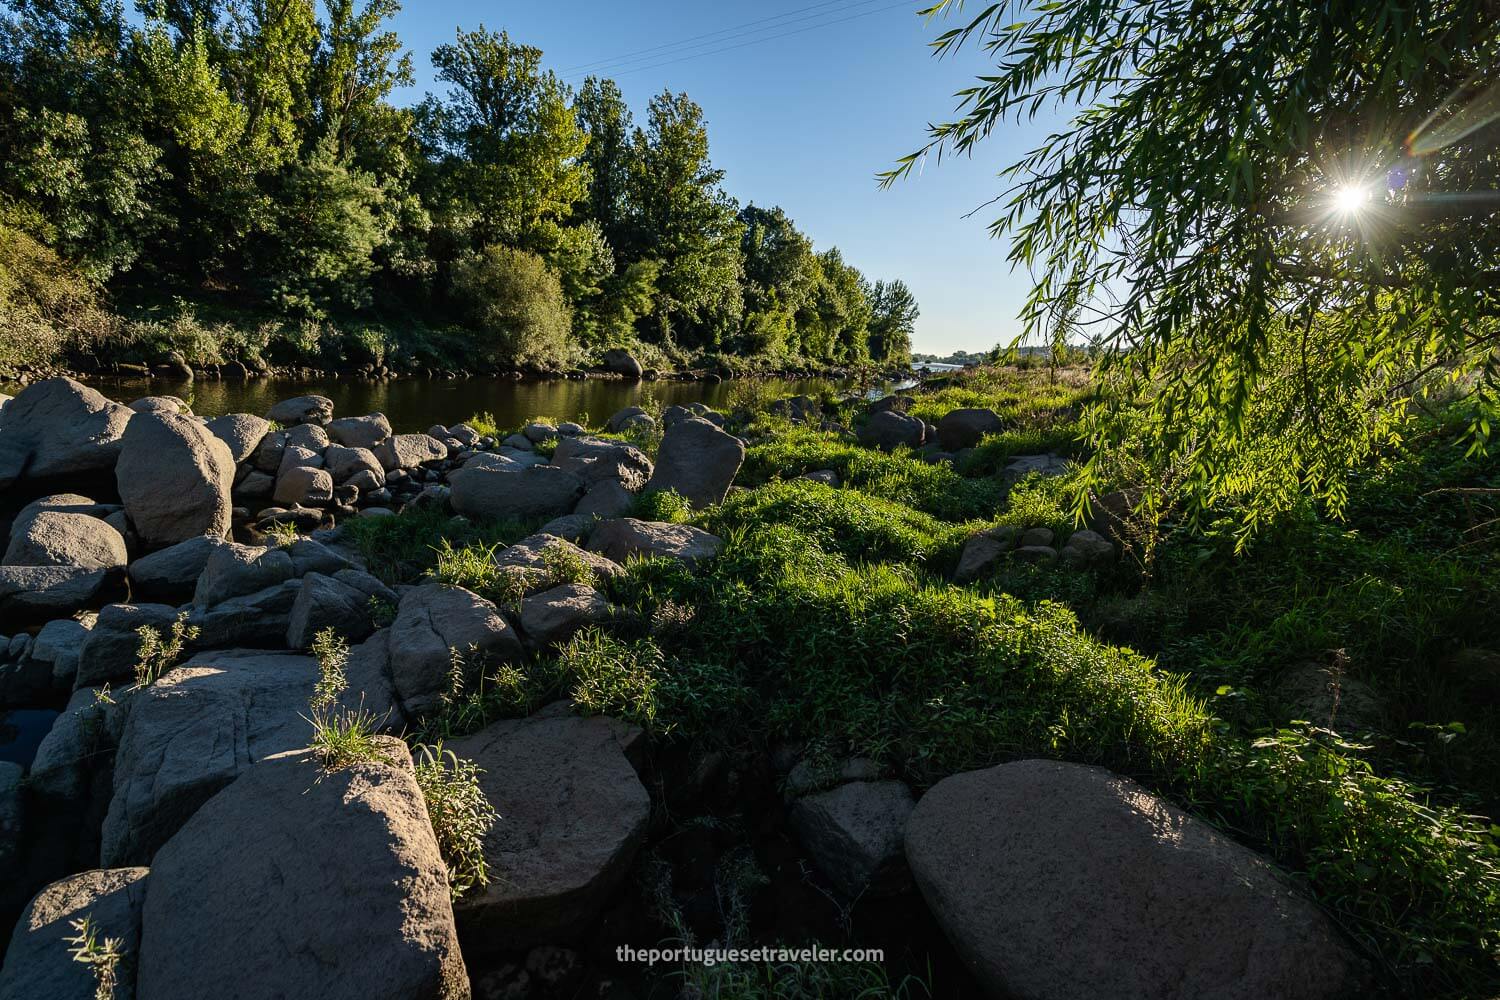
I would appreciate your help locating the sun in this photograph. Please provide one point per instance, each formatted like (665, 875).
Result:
(1351, 199)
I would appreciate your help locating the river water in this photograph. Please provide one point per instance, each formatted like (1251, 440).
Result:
(415, 404)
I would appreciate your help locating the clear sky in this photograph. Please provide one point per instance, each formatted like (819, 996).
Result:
(803, 117)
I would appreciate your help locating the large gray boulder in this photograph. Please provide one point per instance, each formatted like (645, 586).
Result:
(335, 602)
(58, 645)
(622, 362)
(29, 593)
(699, 461)
(433, 621)
(345, 463)
(541, 491)
(407, 451)
(360, 432)
(595, 460)
(59, 427)
(534, 552)
(855, 833)
(1087, 549)
(296, 882)
(60, 503)
(241, 433)
(38, 963)
(626, 537)
(984, 551)
(889, 430)
(304, 486)
(302, 410)
(55, 538)
(171, 574)
(606, 498)
(193, 732)
(964, 428)
(554, 616)
(259, 619)
(1058, 880)
(234, 570)
(174, 478)
(574, 816)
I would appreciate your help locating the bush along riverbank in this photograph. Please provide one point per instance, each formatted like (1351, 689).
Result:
(349, 711)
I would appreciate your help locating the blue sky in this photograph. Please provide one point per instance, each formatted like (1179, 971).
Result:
(803, 121)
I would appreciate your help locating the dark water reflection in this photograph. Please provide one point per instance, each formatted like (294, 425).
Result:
(21, 732)
(416, 404)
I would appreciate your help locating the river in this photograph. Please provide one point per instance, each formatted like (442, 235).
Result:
(415, 404)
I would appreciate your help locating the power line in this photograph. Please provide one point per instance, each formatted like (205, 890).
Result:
(741, 45)
(630, 56)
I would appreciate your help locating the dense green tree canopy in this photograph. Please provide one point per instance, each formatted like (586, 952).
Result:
(1278, 215)
(247, 155)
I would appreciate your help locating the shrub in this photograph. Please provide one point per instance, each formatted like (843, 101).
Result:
(514, 299)
(662, 505)
(102, 957)
(460, 814)
(157, 654)
(610, 676)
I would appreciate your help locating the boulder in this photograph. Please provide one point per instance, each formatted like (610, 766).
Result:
(575, 527)
(1057, 880)
(55, 538)
(532, 553)
(536, 432)
(520, 442)
(963, 428)
(553, 616)
(1022, 466)
(360, 432)
(797, 409)
(59, 427)
(1041, 555)
(697, 460)
(1329, 697)
(59, 503)
(345, 463)
(39, 965)
(160, 404)
(606, 498)
(637, 421)
(270, 453)
(78, 742)
(194, 731)
(626, 537)
(855, 833)
(575, 815)
(259, 619)
(898, 404)
(1035, 537)
(257, 486)
(407, 451)
(1087, 549)
(541, 491)
(302, 410)
(622, 362)
(888, 430)
(171, 574)
(594, 460)
(569, 429)
(431, 621)
(618, 418)
(828, 477)
(309, 436)
(30, 593)
(241, 433)
(296, 882)
(326, 602)
(304, 486)
(311, 556)
(112, 647)
(59, 644)
(235, 570)
(296, 456)
(174, 478)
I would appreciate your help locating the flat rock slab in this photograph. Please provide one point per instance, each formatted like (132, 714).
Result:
(193, 732)
(38, 965)
(574, 815)
(1058, 881)
(293, 882)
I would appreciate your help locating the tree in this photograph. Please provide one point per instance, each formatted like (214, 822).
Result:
(1266, 211)
(513, 298)
(682, 217)
(893, 320)
(605, 119)
(509, 136)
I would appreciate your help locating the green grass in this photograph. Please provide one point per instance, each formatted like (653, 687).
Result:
(405, 548)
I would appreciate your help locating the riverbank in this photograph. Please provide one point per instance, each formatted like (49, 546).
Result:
(804, 671)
